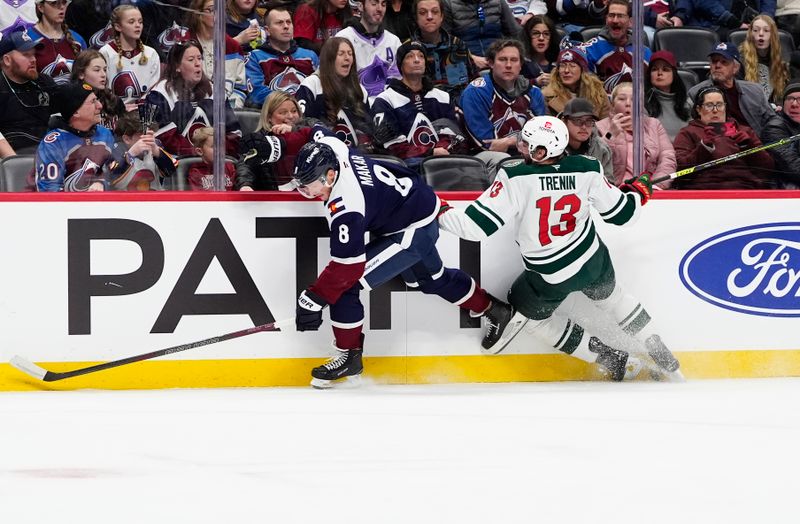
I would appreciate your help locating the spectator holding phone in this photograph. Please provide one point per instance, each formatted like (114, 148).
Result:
(712, 135)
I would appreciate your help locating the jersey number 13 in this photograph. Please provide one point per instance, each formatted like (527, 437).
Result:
(567, 206)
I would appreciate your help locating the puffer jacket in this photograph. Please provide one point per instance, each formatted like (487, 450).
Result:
(659, 155)
(462, 18)
(748, 172)
(787, 157)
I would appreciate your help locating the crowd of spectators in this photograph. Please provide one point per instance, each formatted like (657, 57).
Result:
(111, 94)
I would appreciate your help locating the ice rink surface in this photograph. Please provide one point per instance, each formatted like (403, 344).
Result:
(701, 451)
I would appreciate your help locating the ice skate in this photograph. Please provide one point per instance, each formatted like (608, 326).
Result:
(346, 366)
(616, 363)
(499, 327)
(663, 358)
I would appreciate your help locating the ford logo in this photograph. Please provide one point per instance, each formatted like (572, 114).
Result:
(753, 270)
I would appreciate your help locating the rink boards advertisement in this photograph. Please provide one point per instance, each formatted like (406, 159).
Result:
(96, 278)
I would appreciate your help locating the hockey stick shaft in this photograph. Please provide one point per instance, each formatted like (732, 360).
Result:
(718, 161)
(51, 376)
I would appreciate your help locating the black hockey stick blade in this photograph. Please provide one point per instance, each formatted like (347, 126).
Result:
(718, 161)
(39, 372)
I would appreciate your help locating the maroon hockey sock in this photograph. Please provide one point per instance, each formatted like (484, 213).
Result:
(347, 338)
(478, 302)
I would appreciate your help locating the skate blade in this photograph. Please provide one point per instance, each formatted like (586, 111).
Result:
(352, 381)
(632, 368)
(514, 326)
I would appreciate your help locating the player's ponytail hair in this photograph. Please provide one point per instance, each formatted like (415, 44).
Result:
(116, 18)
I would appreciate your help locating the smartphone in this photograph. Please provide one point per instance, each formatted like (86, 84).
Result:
(718, 127)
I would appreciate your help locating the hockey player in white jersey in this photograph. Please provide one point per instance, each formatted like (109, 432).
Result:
(547, 197)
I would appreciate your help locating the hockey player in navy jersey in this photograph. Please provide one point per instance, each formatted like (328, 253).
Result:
(548, 199)
(399, 210)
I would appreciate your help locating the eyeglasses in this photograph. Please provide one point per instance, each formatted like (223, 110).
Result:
(582, 122)
(568, 65)
(208, 10)
(540, 34)
(709, 106)
(617, 16)
(792, 100)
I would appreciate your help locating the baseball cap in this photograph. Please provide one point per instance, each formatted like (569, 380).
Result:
(578, 107)
(726, 49)
(18, 40)
(666, 56)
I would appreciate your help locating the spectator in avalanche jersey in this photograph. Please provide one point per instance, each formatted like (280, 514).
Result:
(450, 64)
(201, 174)
(133, 68)
(24, 93)
(16, 13)
(497, 105)
(183, 98)
(317, 20)
(90, 68)
(374, 46)
(71, 157)
(60, 45)
(610, 54)
(409, 115)
(243, 23)
(200, 27)
(278, 65)
(334, 97)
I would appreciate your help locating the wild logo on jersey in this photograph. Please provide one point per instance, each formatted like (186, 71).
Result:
(508, 118)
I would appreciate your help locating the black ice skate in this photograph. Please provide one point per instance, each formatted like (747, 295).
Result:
(498, 317)
(661, 355)
(346, 365)
(615, 362)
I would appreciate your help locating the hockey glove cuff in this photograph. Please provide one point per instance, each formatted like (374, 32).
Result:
(309, 311)
(641, 185)
(444, 207)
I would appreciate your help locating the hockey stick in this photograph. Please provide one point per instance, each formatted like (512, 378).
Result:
(39, 372)
(718, 161)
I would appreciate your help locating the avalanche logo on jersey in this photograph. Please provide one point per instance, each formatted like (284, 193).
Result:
(625, 75)
(344, 130)
(126, 85)
(102, 37)
(196, 121)
(59, 69)
(287, 81)
(508, 118)
(753, 270)
(422, 132)
(81, 179)
(171, 36)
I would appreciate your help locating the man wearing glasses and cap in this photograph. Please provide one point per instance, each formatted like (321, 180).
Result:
(746, 101)
(580, 116)
(24, 94)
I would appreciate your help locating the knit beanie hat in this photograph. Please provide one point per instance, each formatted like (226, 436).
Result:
(68, 98)
(575, 56)
(411, 45)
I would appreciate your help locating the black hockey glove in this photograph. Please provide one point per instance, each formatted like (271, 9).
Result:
(309, 311)
(264, 148)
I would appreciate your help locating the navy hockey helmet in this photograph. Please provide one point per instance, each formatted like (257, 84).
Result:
(313, 162)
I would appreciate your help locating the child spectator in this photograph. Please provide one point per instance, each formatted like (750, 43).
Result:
(90, 68)
(762, 60)
(60, 45)
(335, 98)
(243, 23)
(201, 174)
(133, 67)
(540, 39)
(665, 93)
(139, 162)
(571, 78)
(184, 102)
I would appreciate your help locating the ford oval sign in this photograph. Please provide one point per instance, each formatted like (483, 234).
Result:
(754, 270)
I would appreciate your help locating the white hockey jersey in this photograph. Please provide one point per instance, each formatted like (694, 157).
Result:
(375, 58)
(549, 205)
(133, 80)
(18, 13)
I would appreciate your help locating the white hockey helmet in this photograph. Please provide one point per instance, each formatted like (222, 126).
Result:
(545, 131)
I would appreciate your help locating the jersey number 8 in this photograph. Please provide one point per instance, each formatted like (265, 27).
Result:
(402, 185)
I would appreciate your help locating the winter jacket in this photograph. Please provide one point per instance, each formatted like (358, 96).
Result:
(718, 13)
(747, 172)
(752, 101)
(462, 18)
(787, 158)
(668, 117)
(659, 155)
(598, 148)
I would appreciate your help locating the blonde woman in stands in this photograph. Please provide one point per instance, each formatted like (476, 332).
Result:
(133, 68)
(761, 58)
(571, 78)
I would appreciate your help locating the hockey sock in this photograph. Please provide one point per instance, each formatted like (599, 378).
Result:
(628, 313)
(564, 335)
(478, 302)
(347, 338)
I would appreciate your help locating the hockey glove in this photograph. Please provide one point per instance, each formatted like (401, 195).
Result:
(641, 185)
(309, 311)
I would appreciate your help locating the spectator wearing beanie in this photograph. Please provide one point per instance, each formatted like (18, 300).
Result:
(785, 124)
(571, 78)
(72, 155)
(665, 93)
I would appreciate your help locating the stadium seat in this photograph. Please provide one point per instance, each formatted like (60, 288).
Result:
(14, 171)
(690, 45)
(389, 159)
(455, 173)
(689, 78)
(248, 120)
(179, 181)
(786, 40)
